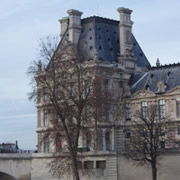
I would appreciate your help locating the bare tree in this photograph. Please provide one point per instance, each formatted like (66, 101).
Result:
(145, 137)
(67, 87)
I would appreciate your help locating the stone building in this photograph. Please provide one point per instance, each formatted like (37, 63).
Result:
(111, 46)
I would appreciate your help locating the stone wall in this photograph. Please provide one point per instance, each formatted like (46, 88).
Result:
(35, 167)
(168, 168)
(16, 165)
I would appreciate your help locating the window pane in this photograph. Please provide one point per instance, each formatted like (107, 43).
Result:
(128, 133)
(178, 129)
(46, 145)
(45, 94)
(100, 164)
(58, 143)
(106, 112)
(45, 117)
(72, 89)
(87, 89)
(144, 109)
(178, 108)
(106, 84)
(162, 111)
(89, 164)
(128, 111)
(108, 141)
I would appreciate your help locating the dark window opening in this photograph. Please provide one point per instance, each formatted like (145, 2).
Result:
(99, 47)
(100, 164)
(152, 75)
(90, 38)
(79, 165)
(178, 130)
(88, 164)
(147, 87)
(90, 48)
(89, 29)
(169, 73)
(58, 143)
(162, 144)
(128, 133)
(178, 108)
(141, 54)
(108, 141)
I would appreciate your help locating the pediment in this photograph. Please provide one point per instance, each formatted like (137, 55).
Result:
(143, 94)
(175, 90)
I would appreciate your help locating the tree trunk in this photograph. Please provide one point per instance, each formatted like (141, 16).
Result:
(154, 171)
(75, 170)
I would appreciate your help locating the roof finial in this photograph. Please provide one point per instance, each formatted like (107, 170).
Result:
(158, 63)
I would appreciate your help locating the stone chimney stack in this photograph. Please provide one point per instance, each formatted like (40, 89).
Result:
(158, 63)
(125, 29)
(74, 25)
(64, 25)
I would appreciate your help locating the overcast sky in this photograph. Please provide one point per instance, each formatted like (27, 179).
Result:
(22, 24)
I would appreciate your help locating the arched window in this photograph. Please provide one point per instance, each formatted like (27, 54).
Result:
(58, 143)
(46, 145)
(108, 141)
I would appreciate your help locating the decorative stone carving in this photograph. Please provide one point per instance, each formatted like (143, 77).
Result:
(161, 86)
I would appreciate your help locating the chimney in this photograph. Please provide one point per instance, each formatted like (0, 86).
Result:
(74, 25)
(125, 29)
(158, 63)
(64, 25)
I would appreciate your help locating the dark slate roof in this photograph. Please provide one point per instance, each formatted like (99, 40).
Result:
(168, 74)
(100, 36)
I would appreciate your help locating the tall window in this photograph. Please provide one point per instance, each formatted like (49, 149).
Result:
(87, 88)
(128, 111)
(106, 112)
(58, 91)
(45, 94)
(128, 133)
(162, 144)
(178, 130)
(88, 112)
(162, 131)
(58, 143)
(162, 110)
(45, 116)
(88, 141)
(58, 121)
(144, 109)
(73, 111)
(108, 141)
(178, 108)
(46, 145)
(106, 84)
(72, 89)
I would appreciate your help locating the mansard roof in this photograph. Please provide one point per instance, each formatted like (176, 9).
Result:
(167, 74)
(100, 37)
